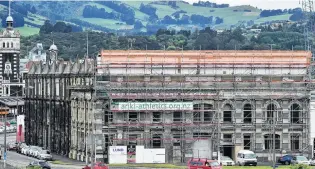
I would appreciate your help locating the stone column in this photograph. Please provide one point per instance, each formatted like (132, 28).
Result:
(285, 137)
(259, 122)
(98, 125)
(238, 116)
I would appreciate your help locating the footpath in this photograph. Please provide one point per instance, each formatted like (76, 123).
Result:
(7, 166)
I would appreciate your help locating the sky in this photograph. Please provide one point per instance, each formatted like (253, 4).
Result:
(261, 4)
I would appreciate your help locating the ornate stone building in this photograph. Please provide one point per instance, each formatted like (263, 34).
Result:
(10, 60)
(193, 103)
(48, 103)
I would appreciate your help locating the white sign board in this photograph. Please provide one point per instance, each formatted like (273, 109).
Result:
(136, 106)
(153, 156)
(117, 154)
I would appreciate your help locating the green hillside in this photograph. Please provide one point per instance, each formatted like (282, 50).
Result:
(73, 13)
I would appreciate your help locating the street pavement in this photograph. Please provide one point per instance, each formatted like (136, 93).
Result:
(19, 160)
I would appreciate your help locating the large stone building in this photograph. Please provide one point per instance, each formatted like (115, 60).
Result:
(189, 102)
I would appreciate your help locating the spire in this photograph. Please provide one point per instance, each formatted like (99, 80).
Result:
(9, 19)
(9, 8)
(87, 44)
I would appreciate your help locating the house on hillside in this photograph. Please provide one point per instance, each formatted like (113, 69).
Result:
(37, 53)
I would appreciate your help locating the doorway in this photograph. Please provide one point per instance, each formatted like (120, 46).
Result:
(228, 151)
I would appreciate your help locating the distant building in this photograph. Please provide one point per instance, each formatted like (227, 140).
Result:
(10, 81)
(37, 53)
(255, 30)
(10, 60)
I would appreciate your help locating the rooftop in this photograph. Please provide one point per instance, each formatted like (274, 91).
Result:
(12, 101)
(205, 57)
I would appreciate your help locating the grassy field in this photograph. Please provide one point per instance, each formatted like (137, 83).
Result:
(108, 23)
(28, 31)
(231, 16)
(280, 17)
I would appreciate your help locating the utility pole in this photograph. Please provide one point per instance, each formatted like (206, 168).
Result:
(5, 140)
(219, 129)
(93, 139)
(87, 45)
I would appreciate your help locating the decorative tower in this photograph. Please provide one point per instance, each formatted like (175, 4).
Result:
(9, 59)
(53, 53)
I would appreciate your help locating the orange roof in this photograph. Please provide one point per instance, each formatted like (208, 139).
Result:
(158, 57)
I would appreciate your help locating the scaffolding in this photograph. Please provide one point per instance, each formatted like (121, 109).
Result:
(239, 98)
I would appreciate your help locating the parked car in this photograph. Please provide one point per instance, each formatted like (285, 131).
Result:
(1, 129)
(300, 160)
(286, 159)
(246, 157)
(98, 165)
(36, 164)
(44, 155)
(25, 150)
(19, 147)
(312, 162)
(10, 128)
(32, 151)
(11, 146)
(203, 163)
(227, 161)
(37, 151)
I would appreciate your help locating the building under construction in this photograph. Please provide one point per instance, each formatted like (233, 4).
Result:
(192, 103)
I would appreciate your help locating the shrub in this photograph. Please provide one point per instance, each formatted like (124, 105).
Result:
(300, 166)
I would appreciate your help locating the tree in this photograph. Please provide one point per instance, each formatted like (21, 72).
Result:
(138, 25)
(33, 10)
(62, 27)
(46, 28)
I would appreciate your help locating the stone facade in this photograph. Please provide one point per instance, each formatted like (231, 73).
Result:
(235, 107)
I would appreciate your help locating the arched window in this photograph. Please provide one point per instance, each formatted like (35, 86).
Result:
(269, 141)
(8, 45)
(156, 141)
(208, 112)
(197, 113)
(227, 113)
(271, 112)
(11, 44)
(295, 112)
(3, 45)
(247, 113)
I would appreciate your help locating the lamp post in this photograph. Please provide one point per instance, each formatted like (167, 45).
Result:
(5, 111)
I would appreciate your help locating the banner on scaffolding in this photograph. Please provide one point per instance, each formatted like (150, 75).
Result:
(164, 94)
(138, 106)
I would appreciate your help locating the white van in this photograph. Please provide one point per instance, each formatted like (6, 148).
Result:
(246, 157)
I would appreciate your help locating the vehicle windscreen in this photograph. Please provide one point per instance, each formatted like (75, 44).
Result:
(301, 158)
(45, 152)
(214, 164)
(249, 156)
(226, 158)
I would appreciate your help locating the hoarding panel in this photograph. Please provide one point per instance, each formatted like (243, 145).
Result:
(117, 154)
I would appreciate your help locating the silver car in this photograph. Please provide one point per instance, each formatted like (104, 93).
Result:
(44, 155)
(32, 151)
(227, 161)
(300, 160)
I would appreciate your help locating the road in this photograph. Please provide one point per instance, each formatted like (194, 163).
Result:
(19, 160)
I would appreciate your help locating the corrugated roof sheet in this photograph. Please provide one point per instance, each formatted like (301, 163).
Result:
(12, 101)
